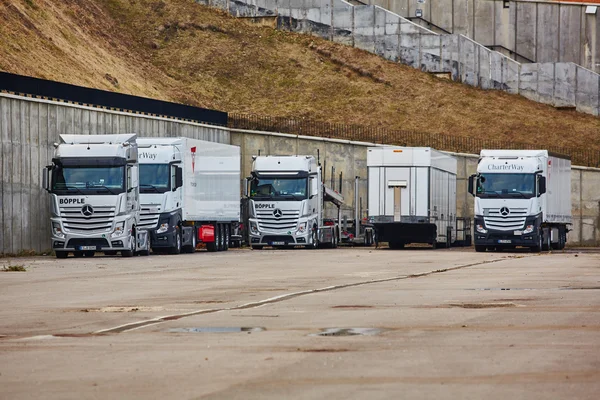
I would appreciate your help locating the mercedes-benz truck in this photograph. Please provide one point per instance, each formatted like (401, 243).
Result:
(522, 198)
(190, 193)
(412, 195)
(286, 204)
(94, 196)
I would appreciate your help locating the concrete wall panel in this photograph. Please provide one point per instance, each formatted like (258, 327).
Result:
(564, 84)
(485, 79)
(441, 13)
(548, 23)
(546, 83)
(343, 22)
(469, 63)
(389, 41)
(364, 28)
(483, 22)
(512, 75)
(430, 53)
(528, 83)
(526, 15)
(570, 34)
(450, 56)
(587, 91)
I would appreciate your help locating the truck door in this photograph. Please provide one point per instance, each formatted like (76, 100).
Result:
(398, 188)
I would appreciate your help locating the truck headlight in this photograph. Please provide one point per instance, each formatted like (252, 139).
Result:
(302, 228)
(57, 231)
(528, 229)
(253, 228)
(119, 229)
(480, 228)
(163, 227)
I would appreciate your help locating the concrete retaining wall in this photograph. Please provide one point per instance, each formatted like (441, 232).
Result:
(542, 31)
(29, 127)
(383, 32)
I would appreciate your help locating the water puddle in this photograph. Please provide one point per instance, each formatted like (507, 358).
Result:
(348, 332)
(213, 329)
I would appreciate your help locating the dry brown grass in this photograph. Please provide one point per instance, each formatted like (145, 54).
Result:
(181, 51)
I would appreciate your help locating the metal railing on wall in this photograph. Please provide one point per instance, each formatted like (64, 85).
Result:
(459, 144)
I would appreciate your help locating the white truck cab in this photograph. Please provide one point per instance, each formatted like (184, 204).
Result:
(286, 196)
(522, 198)
(94, 196)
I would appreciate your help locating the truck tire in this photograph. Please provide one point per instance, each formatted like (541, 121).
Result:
(191, 247)
(177, 248)
(212, 246)
(226, 237)
(219, 237)
(315, 239)
(547, 244)
(132, 246)
(62, 254)
(480, 249)
(538, 247)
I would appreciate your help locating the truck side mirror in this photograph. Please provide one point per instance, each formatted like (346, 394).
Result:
(46, 178)
(178, 178)
(314, 187)
(542, 185)
(472, 185)
(246, 182)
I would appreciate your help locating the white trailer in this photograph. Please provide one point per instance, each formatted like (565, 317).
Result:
(522, 198)
(94, 196)
(412, 195)
(190, 193)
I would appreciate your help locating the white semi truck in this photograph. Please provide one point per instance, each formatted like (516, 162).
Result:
(522, 198)
(412, 196)
(94, 196)
(286, 198)
(190, 193)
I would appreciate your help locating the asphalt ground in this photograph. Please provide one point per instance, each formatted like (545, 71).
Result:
(303, 324)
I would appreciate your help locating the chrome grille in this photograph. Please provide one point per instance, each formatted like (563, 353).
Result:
(100, 221)
(287, 221)
(149, 216)
(514, 220)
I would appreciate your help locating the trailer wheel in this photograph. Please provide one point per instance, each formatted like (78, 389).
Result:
(480, 249)
(62, 254)
(226, 237)
(212, 246)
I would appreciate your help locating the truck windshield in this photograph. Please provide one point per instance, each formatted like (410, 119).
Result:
(154, 178)
(506, 185)
(279, 188)
(88, 180)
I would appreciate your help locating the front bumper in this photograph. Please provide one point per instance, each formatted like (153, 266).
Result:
(166, 239)
(505, 239)
(277, 239)
(104, 242)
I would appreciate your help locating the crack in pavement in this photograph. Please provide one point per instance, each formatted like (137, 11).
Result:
(158, 320)
(141, 324)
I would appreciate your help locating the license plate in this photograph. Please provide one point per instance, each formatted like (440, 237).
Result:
(87, 247)
(504, 241)
(277, 243)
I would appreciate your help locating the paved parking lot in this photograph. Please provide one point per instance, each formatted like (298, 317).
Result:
(344, 323)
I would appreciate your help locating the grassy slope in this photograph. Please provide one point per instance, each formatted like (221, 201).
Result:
(178, 50)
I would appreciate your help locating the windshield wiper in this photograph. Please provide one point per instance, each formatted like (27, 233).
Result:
(150, 186)
(520, 193)
(69, 188)
(103, 187)
(294, 196)
(489, 194)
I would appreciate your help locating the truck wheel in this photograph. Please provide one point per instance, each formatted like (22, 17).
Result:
(191, 247)
(480, 249)
(226, 237)
(177, 248)
(537, 248)
(334, 244)
(219, 237)
(315, 239)
(62, 254)
(547, 245)
(132, 246)
(212, 246)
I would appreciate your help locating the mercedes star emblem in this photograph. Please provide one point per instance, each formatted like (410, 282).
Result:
(277, 213)
(87, 210)
(504, 211)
